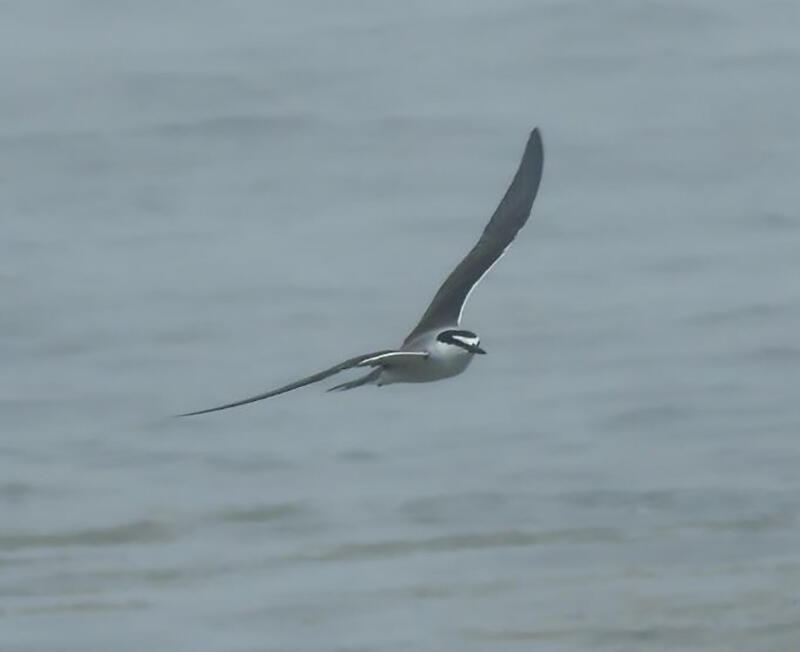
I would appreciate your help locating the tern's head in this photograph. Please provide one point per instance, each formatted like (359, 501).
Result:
(466, 340)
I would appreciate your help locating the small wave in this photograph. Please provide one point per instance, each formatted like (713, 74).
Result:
(755, 523)
(750, 314)
(649, 415)
(477, 541)
(260, 513)
(84, 606)
(137, 532)
(600, 636)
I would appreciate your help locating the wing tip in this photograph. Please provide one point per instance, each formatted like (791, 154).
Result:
(532, 161)
(535, 140)
(193, 414)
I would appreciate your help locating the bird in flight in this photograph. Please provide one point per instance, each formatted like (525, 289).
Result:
(439, 347)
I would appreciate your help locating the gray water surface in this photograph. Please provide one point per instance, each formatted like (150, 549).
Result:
(203, 200)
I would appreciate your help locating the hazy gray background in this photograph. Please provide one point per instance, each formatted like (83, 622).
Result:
(200, 200)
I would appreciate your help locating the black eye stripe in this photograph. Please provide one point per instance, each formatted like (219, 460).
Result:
(450, 336)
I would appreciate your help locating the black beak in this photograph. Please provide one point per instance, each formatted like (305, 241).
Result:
(477, 349)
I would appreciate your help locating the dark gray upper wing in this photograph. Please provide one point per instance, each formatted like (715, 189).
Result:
(508, 219)
(347, 364)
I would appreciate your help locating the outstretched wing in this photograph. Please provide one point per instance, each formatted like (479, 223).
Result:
(508, 219)
(378, 358)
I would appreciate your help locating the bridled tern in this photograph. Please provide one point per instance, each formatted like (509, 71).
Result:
(438, 347)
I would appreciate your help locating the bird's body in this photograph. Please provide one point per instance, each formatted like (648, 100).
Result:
(443, 360)
(438, 347)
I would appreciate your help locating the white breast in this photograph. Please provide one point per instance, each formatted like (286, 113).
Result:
(445, 360)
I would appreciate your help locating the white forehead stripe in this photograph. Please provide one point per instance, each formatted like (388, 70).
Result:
(466, 339)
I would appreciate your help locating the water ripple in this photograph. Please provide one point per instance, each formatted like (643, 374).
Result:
(477, 541)
(140, 532)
